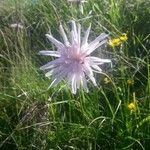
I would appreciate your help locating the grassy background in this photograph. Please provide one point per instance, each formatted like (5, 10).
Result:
(34, 117)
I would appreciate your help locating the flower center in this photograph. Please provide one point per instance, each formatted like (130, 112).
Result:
(74, 59)
(78, 59)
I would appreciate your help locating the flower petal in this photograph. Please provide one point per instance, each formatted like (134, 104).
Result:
(87, 69)
(97, 68)
(100, 38)
(93, 80)
(55, 82)
(73, 84)
(85, 39)
(49, 53)
(51, 64)
(94, 46)
(84, 83)
(99, 60)
(79, 34)
(64, 36)
(74, 29)
(57, 43)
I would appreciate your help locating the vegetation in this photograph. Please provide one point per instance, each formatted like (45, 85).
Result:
(115, 115)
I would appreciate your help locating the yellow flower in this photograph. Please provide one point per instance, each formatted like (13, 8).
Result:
(132, 106)
(117, 41)
(130, 82)
(106, 80)
(123, 37)
(114, 42)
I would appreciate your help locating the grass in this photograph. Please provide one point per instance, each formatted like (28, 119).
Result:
(35, 117)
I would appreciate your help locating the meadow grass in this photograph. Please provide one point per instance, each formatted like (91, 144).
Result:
(35, 117)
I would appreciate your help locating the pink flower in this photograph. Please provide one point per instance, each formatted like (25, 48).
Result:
(73, 62)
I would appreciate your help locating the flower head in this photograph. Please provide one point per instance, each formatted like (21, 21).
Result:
(130, 82)
(123, 37)
(132, 106)
(106, 80)
(74, 63)
(117, 41)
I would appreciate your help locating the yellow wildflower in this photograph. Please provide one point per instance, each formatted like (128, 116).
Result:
(130, 82)
(123, 37)
(114, 42)
(106, 80)
(132, 106)
(117, 41)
